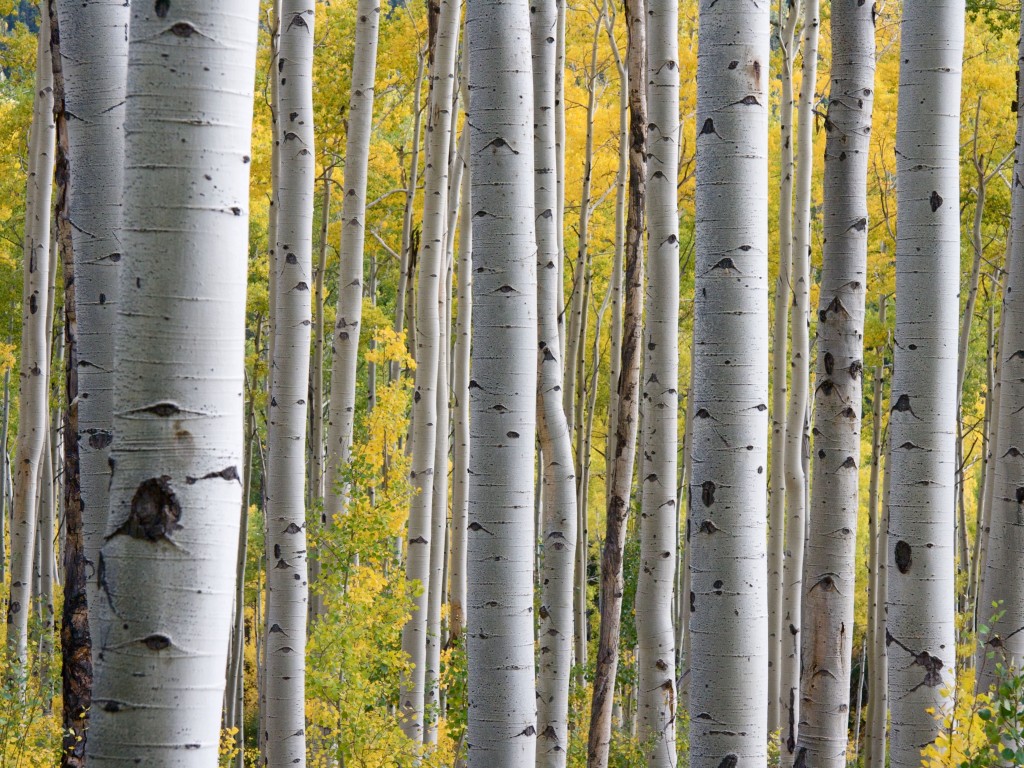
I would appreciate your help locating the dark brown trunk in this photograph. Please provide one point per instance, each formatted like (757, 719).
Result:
(628, 393)
(76, 646)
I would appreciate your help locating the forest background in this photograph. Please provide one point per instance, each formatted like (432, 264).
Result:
(354, 658)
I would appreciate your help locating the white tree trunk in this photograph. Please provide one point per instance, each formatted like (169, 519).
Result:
(407, 256)
(502, 717)
(94, 53)
(1003, 581)
(4, 469)
(460, 401)
(780, 369)
(166, 569)
(878, 681)
(427, 344)
(656, 655)
(726, 528)
(797, 437)
(559, 517)
(345, 337)
(830, 567)
(33, 403)
(438, 517)
(919, 627)
(287, 581)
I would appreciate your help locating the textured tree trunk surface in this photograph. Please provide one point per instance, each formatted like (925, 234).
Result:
(727, 504)
(166, 568)
(829, 578)
(919, 626)
(502, 716)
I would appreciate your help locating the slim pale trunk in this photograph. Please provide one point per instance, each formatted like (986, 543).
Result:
(460, 408)
(919, 626)
(830, 566)
(655, 628)
(1003, 581)
(502, 716)
(726, 529)
(408, 255)
(287, 580)
(559, 517)
(427, 345)
(797, 437)
(875, 733)
(780, 367)
(166, 568)
(33, 400)
(438, 519)
(345, 337)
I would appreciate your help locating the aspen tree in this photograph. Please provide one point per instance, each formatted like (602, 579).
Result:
(789, 13)
(656, 688)
(627, 392)
(502, 716)
(427, 340)
(728, 694)
(1002, 582)
(75, 640)
(287, 577)
(460, 402)
(919, 626)
(179, 357)
(33, 393)
(345, 337)
(5, 421)
(95, 64)
(559, 517)
(829, 578)
(797, 436)
(878, 682)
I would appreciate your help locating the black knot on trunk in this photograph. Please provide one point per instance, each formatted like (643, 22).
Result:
(904, 557)
(155, 511)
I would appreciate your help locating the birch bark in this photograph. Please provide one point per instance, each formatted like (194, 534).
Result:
(179, 356)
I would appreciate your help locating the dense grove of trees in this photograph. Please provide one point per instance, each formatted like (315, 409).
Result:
(507, 383)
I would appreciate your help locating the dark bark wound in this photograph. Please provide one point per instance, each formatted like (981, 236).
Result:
(155, 511)
(903, 556)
